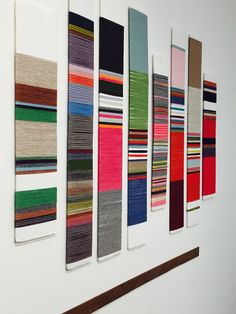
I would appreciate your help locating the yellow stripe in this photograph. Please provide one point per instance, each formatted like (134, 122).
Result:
(81, 30)
(109, 126)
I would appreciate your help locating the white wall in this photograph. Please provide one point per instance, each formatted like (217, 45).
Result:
(33, 277)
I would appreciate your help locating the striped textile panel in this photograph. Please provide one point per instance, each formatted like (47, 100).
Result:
(194, 130)
(138, 127)
(80, 141)
(160, 140)
(209, 137)
(35, 108)
(177, 124)
(35, 207)
(35, 122)
(111, 69)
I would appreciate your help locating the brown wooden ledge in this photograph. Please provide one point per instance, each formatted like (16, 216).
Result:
(111, 295)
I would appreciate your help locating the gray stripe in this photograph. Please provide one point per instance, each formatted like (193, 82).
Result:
(109, 222)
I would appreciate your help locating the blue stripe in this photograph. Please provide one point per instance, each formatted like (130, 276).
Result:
(35, 168)
(19, 103)
(177, 100)
(137, 201)
(80, 109)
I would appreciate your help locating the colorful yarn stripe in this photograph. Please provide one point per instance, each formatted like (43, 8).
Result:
(138, 120)
(80, 140)
(111, 69)
(160, 140)
(209, 138)
(177, 122)
(194, 129)
(35, 207)
(36, 116)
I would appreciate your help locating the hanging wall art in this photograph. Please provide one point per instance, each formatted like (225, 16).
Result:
(209, 137)
(159, 134)
(35, 121)
(80, 138)
(110, 136)
(194, 130)
(138, 128)
(177, 128)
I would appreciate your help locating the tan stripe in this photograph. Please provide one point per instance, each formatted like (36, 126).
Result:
(35, 139)
(36, 72)
(137, 166)
(195, 62)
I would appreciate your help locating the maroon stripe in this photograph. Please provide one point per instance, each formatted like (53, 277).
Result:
(36, 95)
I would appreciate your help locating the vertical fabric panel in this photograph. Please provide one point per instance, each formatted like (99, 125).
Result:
(160, 140)
(138, 126)
(209, 137)
(80, 140)
(194, 130)
(177, 124)
(111, 69)
(35, 122)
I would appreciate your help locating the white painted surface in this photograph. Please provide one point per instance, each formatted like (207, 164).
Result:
(33, 275)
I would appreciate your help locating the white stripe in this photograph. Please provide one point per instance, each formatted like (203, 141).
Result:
(193, 218)
(110, 120)
(207, 197)
(210, 105)
(106, 96)
(193, 204)
(41, 230)
(111, 73)
(137, 158)
(210, 90)
(36, 181)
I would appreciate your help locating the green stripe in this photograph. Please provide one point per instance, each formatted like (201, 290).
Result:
(79, 164)
(35, 115)
(138, 101)
(192, 209)
(36, 158)
(32, 198)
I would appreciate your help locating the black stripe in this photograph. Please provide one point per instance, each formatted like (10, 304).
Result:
(110, 88)
(208, 96)
(137, 151)
(213, 112)
(159, 192)
(111, 47)
(209, 141)
(102, 109)
(110, 123)
(34, 221)
(80, 21)
(38, 161)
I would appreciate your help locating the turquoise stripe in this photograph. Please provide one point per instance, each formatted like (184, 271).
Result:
(19, 103)
(138, 41)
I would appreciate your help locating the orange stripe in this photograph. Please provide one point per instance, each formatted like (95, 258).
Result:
(210, 83)
(109, 126)
(35, 171)
(80, 80)
(36, 213)
(110, 78)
